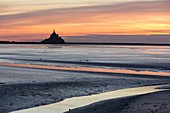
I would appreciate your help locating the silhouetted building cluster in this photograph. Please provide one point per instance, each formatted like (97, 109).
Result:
(54, 39)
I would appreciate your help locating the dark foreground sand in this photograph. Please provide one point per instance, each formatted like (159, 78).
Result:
(158, 102)
(22, 88)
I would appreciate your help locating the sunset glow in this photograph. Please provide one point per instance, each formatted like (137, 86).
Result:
(31, 20)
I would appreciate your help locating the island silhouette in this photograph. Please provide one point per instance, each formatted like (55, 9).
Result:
(56, 39)
(53, 39)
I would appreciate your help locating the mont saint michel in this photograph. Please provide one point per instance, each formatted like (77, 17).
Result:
(53, 39)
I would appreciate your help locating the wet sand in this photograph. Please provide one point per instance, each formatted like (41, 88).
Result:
(23, 88)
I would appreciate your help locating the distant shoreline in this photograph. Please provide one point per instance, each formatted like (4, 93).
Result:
(76, 43)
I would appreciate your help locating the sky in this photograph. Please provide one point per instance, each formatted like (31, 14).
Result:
(85, 20)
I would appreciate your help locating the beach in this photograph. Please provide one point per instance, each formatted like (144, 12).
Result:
(26, 84)
(25, 90)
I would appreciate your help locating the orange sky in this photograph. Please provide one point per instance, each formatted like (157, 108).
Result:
(33, 21)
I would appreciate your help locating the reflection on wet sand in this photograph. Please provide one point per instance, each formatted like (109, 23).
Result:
(86, 69)
(76, 102)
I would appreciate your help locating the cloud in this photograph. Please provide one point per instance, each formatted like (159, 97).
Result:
(142, 17)
(24, 37)
(77, 14)
(164, 39)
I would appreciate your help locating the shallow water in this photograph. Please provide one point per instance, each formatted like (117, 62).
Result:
(147, 60)
(76, 102)
(138, 58)
(86, 69)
